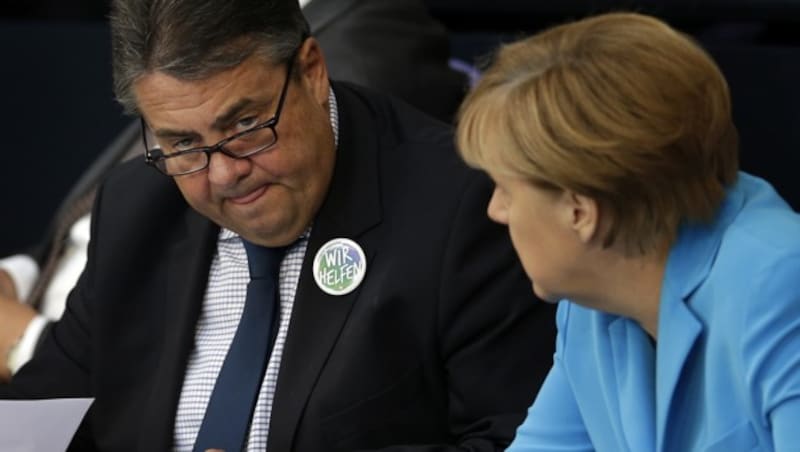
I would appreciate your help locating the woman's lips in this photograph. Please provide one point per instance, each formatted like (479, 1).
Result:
(250, 197)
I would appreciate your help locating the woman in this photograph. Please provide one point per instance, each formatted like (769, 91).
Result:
(611, 144)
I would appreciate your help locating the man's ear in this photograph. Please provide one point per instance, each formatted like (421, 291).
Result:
(313, 70)
(583, 215)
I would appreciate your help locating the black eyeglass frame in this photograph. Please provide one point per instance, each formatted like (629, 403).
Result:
(154, 156)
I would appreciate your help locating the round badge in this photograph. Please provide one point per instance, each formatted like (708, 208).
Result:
(339, 266)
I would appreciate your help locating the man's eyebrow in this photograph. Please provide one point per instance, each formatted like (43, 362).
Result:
(235, 110)
(174, 133)
(220, 123)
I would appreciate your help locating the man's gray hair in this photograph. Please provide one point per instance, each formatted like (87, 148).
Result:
(196, 39)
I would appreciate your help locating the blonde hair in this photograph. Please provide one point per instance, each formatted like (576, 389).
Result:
(618, 107)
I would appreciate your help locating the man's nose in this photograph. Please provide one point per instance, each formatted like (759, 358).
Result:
(225, 171)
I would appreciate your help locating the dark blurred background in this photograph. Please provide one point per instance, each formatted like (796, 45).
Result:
(755, 42)
(58, 110)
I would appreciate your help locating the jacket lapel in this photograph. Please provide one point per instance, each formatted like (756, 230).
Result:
(188, 261)
(688, 266)
(351, 208)
(633, 359)
(679, 329)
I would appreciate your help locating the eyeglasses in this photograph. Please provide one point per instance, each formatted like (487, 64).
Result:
(239, 146)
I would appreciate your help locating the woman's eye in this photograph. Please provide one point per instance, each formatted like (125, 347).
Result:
(247, 123)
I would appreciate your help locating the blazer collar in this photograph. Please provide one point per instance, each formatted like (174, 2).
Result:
(633, 357)
(352, 204)
(351, 208)
(688, 266)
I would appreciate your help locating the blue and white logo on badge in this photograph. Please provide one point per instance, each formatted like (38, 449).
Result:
(339, 266)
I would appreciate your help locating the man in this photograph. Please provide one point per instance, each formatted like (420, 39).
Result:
(366, 42)
(404, 319)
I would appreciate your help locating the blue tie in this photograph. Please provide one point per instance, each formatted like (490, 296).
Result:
(227, 420)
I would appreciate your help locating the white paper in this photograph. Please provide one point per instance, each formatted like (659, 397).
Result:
(40, 425)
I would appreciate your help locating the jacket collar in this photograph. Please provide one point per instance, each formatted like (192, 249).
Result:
(688, 266)
(351, 208)
(190, 257)
(631, 376)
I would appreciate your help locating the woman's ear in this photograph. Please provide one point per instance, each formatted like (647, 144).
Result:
(583, 215)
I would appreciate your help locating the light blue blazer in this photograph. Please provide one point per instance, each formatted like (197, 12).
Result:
(725, 374)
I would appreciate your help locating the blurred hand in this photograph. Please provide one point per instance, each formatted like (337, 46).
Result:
(7, 287)
(14, 318)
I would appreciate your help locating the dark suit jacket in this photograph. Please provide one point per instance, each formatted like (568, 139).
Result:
(394, 46)
(442, 343)
(115, 152)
